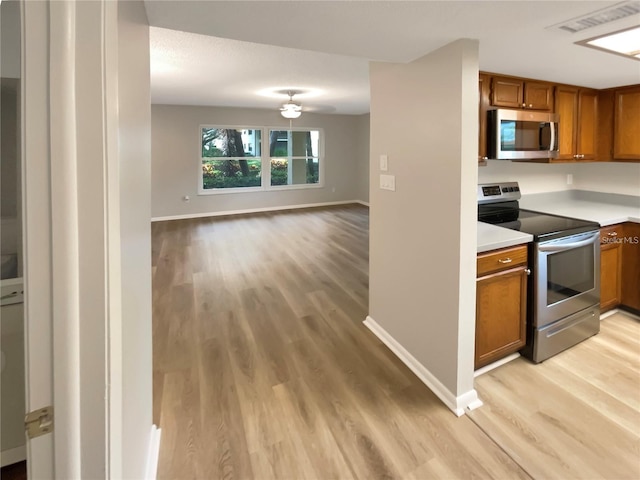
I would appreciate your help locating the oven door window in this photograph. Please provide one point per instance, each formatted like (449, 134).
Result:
(570, 273)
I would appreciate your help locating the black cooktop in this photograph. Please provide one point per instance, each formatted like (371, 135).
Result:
(498, 204)
(542, 226)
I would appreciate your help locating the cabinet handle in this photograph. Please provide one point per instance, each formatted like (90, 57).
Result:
(613, 234)
(484, 158)
(527, 271)
(531, 105)
(506, 260)
(524, 105)
(576, 156)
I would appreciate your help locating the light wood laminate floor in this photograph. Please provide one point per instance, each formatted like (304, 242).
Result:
(576, 415)
(263, 369)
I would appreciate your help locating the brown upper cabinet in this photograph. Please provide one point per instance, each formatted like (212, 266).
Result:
(595, 125)
(626, 124)
(578, 129)
(517, 93)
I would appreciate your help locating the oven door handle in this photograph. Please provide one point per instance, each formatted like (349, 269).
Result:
(568, 246)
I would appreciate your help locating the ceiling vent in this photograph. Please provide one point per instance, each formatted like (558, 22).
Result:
(600, 17)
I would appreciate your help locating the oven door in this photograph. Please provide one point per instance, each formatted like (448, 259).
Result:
(567, 277)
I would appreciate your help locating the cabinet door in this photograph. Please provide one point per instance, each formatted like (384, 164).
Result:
(626, 132)
(610, 275)
(506, 92)
(586, 145)
(501, 312)
(567, 108)
(538, 96)
(631, 266)
(605, 125)
(484, 91)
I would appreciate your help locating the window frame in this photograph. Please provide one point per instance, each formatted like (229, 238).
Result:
(201, 159)
(320, 157)
(265, 161)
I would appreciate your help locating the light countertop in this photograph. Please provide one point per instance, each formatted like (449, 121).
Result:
(492, 237)
(604, 208)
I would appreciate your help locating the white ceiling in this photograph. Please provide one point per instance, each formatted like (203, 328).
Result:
(226, 53)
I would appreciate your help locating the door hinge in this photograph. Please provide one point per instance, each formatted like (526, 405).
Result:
(39, 422)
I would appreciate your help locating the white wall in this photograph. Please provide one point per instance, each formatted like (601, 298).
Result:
(422, 236)
(176, 162)
(533, 177)
(609, 177)
(614, 177)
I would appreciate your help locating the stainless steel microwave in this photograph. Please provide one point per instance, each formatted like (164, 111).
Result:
(522, 135)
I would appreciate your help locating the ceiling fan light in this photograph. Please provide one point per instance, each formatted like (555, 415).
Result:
(290, 113)
(291, 109)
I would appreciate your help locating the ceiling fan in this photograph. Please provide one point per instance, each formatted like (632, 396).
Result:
(291, 109)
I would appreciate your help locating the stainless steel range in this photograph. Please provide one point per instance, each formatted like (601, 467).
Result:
(564, 288)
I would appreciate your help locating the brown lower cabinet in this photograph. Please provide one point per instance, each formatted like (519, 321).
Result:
(631, 266)
(501, 304)
(610, 267)
(620, 266)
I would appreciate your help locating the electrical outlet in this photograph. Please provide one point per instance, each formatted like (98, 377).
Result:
(569, 178)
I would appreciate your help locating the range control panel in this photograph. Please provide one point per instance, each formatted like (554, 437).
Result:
(498, 192)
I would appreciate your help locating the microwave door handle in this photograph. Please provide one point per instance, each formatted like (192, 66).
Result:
(552, 146)
(567, 246)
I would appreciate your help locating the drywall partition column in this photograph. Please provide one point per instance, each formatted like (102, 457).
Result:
(64, 235)
(422, 235)
(134, 149)
(468, 107)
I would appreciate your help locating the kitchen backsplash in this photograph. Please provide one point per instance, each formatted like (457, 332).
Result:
(610, 177)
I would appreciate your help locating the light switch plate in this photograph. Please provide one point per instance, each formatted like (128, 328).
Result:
(384, 163)
(388, 182)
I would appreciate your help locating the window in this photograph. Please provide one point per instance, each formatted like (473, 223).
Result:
(231, 159)
(295, 158)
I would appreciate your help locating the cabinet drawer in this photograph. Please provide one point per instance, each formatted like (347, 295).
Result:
(503, 259)
(611, 233)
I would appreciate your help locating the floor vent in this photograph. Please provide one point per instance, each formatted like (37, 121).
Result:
(621, 10)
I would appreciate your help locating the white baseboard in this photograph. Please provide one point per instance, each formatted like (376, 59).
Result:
(13, 455)
(609, 313)
(618, 310)
(361, 202)
(457, 404)
(153, 454)
(252, 210)
(496, 364)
